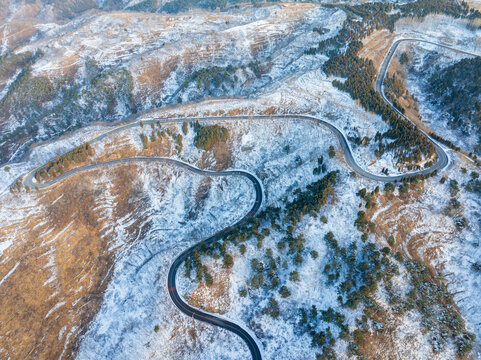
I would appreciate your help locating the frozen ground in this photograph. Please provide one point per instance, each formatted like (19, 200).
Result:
(425, 61)
(137, 298)
(442, 29)
(280, 337)
(282, 153)
(133, 306)
(462, 249)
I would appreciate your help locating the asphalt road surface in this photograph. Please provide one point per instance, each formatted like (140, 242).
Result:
(171, 278)
(379, 87)
(442, 162)
(28, 180)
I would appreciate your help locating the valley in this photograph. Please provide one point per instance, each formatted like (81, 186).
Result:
(230, 181)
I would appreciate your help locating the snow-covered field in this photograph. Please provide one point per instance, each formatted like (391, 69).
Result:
(136, 318)
(427, 60)
(137, 299)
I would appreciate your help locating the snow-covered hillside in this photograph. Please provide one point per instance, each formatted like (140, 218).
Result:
(334, 265)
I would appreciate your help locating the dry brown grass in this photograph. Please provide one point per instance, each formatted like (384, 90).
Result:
(407, 101)
(19, 31)
(64, 266)
(475, 4)
(376, 46)
(153, 73)
(218, 158)
(214, 298)
(381, 345)
(404, 217)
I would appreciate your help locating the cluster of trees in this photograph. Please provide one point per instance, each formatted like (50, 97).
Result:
(321, 166)
(394, 89)
(357, 272)
(369, 197)
(404, 58)
(265, 270)
(272, 308)
(145, 141)
(474, 183)
(146, 5)
(266, 273)
(161, 134)
(409, 145)
(360, 141)
(61, 163)
(407, 142)
(454, 209)
(38, 100)
(176, 6)
(194, 263)
(309, 321)
(365, 268)
(458, 90)
(10, 62)
(445, 141)
(428, 292)
(422, 8)
(311, 199)
(206, 136)
(217, 80)
(373, 16)
(438, 309)
(16, 187)
(210, 79)
(27, 94)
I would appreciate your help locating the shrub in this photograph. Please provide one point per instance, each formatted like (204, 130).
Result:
(284, 291)
(294, 276)
(257, 281)
(228, 260)
(358, 337)
(272, 309)
(389, 188)
(145, 141)
(332, 151)
(242, 249)
(390, 240)
(243, 292)
(208, 279)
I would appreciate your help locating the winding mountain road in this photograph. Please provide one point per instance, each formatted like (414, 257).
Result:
(442, 161)
(379, 87)
(28, 180)
(171, 278)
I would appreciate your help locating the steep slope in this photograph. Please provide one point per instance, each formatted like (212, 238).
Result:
(106, 66)
(61, 252)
